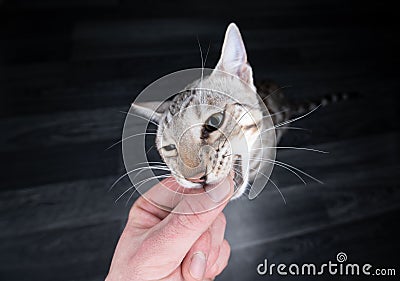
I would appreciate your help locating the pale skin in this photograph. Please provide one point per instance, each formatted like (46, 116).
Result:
(174, 245)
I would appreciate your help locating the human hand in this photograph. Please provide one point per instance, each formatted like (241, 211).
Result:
(179, 245)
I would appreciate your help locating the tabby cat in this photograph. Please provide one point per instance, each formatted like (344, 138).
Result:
(219, 123)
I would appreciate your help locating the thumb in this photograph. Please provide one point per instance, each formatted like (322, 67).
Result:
(173, 237)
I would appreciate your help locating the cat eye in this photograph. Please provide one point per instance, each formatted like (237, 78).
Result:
(169, 147)
(214, 122)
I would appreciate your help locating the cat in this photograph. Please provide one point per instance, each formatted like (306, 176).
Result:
(222, 123)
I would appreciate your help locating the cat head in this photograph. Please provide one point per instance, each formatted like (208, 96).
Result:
(207, 130)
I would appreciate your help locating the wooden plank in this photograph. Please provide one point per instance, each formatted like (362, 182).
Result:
(343, 121)
(59, 140)
(55, 88)
(67, 128)
(40, 166)
(68, 205)
(349, 193)
(61, 254)
(102, 125)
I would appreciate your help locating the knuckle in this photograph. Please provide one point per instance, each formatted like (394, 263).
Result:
(205, 238)
(215, 270)
(214, 254)
(188, 221)
(227, 247)
(222, 220)
(154, 270)
(134, 209)
(222, 261)
(149, 259)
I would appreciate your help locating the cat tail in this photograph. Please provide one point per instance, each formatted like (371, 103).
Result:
(302, 107)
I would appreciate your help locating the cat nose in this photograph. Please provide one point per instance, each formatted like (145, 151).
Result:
(199, 178)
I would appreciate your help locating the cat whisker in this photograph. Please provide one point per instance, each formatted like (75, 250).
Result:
(275, 185)
(274, 114)
(272, 93)
(134, 170)
(151, 162)
(161, 167)
(300, 171)
(141, 117)
(280, 165)
(202, 62)
(140, 183)
(130, 188)
(275, 91)
(128, 137)
(126, 191)
(208, 50)
(141, 171)
(279, 190)
(290, 120)
(293, 128)
(291, 147)
(145, 181)
(148, 150)
(248, 186)
(289, 166)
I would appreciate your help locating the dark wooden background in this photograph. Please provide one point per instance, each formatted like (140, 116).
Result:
(68, 68)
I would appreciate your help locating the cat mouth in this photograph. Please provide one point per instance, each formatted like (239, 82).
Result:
(237, 171)
(237, 174)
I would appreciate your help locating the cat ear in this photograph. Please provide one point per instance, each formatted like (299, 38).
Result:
(233, 57)
(152, 110)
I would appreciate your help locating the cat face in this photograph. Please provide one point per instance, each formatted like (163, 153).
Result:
(201, 140)
(209, 129)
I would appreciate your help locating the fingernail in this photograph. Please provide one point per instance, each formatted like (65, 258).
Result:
(219, 191)
(198, 266)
